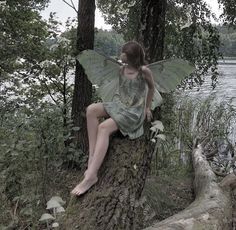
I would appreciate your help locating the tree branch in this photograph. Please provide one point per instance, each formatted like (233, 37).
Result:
(212, 205)
(72, 5)
(49, 92)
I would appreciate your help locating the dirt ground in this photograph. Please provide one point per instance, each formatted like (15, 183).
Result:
(167, 196)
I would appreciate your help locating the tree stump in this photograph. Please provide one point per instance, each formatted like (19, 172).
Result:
(212, 207)
(115, 201)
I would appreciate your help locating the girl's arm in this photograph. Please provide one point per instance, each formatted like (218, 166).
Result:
(150, 82)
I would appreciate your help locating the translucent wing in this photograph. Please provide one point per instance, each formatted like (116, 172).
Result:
(169, 73)
(102, 71)
(157, 98)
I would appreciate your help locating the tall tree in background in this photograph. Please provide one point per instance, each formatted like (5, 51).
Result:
(188, 32)
(22, 34)
(83, 88)
(115, 202)
(152, 28)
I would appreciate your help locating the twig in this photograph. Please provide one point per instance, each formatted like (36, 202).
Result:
(14, 213)
(72, 5)
(219, 173)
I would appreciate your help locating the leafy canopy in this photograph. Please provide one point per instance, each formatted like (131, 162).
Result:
(189, 33)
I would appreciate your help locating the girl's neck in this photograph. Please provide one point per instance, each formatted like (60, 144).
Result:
(131, 67)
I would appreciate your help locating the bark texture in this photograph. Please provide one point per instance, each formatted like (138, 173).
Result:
(211, 208)
(82, 87)
(115, 201)
(152, 28)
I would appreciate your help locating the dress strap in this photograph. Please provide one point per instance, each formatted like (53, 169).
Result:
(121, 71)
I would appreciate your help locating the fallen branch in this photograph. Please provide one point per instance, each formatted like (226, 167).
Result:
(211, 208)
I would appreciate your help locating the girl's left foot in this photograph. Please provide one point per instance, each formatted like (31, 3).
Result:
(84, 186)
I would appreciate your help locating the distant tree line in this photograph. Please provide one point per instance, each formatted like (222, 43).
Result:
(228, 41)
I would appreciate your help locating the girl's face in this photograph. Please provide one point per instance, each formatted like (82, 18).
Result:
(123, 57)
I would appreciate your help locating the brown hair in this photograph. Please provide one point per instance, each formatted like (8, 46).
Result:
(135, 53)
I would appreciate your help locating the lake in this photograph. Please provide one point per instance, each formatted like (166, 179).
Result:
(225, 89)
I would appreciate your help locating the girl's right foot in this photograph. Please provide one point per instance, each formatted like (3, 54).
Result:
(84, 186)
(89, 163)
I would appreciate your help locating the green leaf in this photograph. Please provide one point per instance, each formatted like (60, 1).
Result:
(76, 128)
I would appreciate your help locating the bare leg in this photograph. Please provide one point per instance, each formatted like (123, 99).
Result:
(93, 112)
(104, 130)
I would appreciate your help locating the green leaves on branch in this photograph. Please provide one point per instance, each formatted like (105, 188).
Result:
(22, 33)
(229, 12)
(189, 33)
(122, 15)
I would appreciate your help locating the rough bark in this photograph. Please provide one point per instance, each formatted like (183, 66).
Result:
(211, 208)
(152, 28)
(82, 87)
(115, 201)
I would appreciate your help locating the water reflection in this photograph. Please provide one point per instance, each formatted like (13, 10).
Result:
(225, 91)
(226, 86)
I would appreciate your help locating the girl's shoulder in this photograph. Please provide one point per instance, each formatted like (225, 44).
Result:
(145, 70)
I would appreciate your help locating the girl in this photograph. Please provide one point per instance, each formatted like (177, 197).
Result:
(127, 111)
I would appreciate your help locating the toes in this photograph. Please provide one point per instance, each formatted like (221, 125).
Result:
(75, 190)
(82, 188)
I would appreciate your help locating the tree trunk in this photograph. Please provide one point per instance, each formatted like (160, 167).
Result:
(152, 33)
(115, 202)
(152, 28)
(212, 206)
(83, 88)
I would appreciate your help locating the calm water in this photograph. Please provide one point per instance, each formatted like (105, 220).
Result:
(226, 87)
(224, 91)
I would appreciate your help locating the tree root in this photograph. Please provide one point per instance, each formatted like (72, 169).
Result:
(212, 207)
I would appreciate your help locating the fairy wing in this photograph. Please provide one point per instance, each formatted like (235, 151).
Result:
(102, 71)
(157, 98)
(169, 73)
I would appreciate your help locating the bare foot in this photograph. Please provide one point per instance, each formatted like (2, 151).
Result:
(84, 186)
(89, 163)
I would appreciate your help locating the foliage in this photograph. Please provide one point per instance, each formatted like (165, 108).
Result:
(189, 32)
(30, 145)
(108, 42)
(32, 152)
(229, 12)
(228, 41)
(122, 15)
(47, 80)
(213, 126)
(34, 122)
(207, 121)
(105, 41)
(22, 34)
(190, 35)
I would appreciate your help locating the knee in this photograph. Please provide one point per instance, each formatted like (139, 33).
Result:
(90, 110)
(103, 128)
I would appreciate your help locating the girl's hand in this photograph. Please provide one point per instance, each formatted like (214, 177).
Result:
(148, 114)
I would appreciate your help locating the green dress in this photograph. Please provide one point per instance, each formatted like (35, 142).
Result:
(127, 107)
